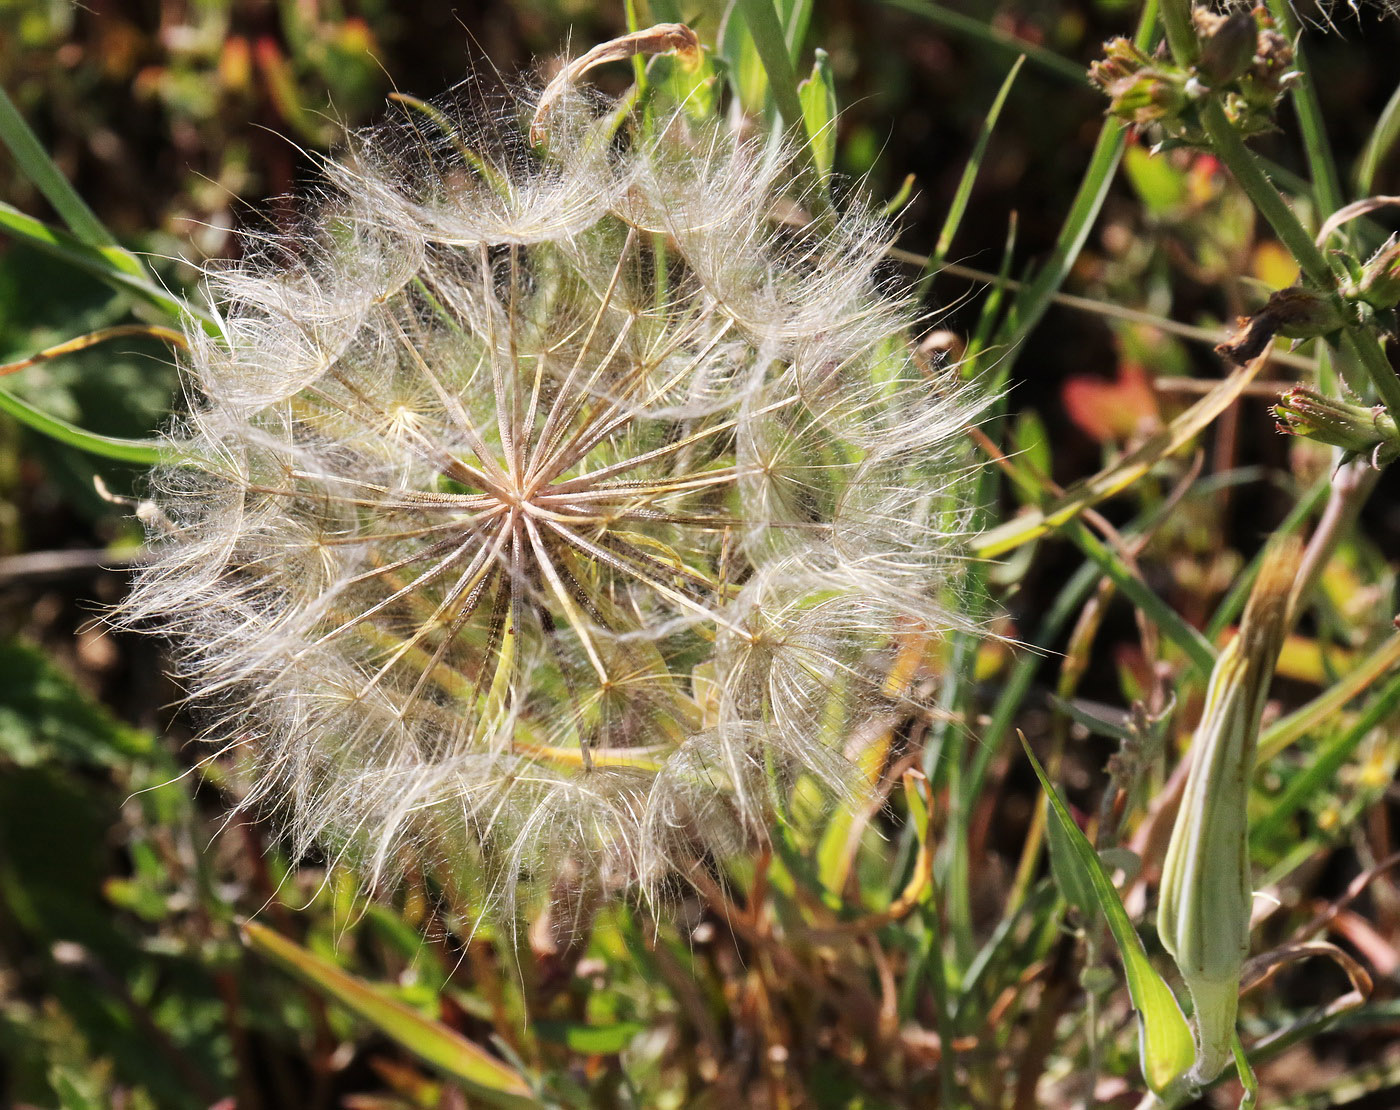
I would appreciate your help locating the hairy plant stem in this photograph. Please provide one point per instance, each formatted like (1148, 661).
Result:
(1181, 32)
(1230, 148)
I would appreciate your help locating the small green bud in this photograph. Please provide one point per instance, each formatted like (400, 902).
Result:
(1356, 429)
(1147, 97)
(1141, 89)
(1379, 283)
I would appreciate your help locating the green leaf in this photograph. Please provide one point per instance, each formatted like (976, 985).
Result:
(818, 96)
(1168, 1050)
(44, 715)
(143, 452)
(771, 43)
(590, 1040)
(105, 263)
(1070, 878)
(1315, 781)
(69, 1087)
(482, 1075)
(33, 161)
(1380, 143)
(1322, 167)
(1159, 185)
(1195, 646)
(1030, 443)
(1032, 303)
(958, 208)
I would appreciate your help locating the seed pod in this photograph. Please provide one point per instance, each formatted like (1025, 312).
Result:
(1205, 901)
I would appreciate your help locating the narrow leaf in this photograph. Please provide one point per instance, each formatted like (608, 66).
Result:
(590, 1040)
(770, 41)
(1167, 1048)
(144, 452)
(958, 208)
(818, 96)
(104, 263)
(1119, 476)
(1323, 709)
(1032, 303)
(34, 162)
(1380, 143)
(482, 1075)
(1195, 646)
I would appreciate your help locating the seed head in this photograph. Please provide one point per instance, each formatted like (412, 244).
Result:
(557, 508)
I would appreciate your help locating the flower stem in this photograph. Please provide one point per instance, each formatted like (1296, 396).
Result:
(1181, 32)
(1230, 147)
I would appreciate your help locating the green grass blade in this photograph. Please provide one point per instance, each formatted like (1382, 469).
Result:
(104, 263)
(34, 162)
(1048, 60)
(770, 40)
(1321, 772)
(1382, 138)
(1331, 701)
(143, 452)
(1195, 646)
(1121, 474)
(1326, 182)
(1168, 1050)
(482, 1075)
(958, 208)
(795, 23)
(818, 96)
(1038, 295)
(1033, 302)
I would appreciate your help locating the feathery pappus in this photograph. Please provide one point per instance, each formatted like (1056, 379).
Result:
(556, 507)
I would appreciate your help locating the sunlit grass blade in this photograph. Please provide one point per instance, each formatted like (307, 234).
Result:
(770, 40)
(104, 263)
(958, 208)
(142, 452)
(482, 1075)
(817, 94)
(1378, 145)
(1120, 475)
(1033, 302)
(1316, 779)
(1324, 708)
(1195, 646)
(1167, 1047)
(1326, 182)
(34, 162)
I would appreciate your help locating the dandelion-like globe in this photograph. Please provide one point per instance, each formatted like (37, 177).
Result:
(555, 506)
